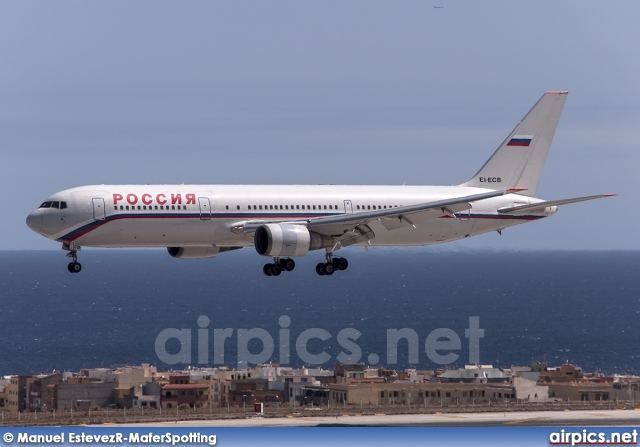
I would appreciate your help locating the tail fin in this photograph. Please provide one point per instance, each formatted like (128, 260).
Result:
(519, 160)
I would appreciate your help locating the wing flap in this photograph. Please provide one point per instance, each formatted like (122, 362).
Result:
(394, 218)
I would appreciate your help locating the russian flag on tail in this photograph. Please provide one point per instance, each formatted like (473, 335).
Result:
(520, 140)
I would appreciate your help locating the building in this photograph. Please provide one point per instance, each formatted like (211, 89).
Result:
(474, 373)
(16, 391)
(252, 391)
(529, 390)
(345, 373)
(181, 392)
(39, 391)
(3, 393)
(409, 393)
(313, 395)
(581, 390)
(151, 396)
(564, 373)
(84, 395)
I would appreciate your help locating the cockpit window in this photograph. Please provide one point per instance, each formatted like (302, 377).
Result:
(54, 204)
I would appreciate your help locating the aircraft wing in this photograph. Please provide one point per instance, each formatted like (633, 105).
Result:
(401, 216)
(542, 205)
(351, 228)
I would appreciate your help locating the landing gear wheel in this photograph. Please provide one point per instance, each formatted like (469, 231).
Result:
(267, 270)
(340, 263)
(328, 269)
(276, 269)
(320, 269)
(74, 266)
(287, 264)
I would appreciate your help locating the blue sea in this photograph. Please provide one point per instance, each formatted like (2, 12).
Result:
(581, 307)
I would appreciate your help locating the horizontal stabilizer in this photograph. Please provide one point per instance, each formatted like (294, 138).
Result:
(542, 205)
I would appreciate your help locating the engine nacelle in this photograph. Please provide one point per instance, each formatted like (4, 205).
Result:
(284, 240)
(193, 252)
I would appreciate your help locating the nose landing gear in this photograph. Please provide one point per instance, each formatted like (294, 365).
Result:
(74, 266)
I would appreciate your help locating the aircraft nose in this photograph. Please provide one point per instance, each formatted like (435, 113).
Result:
(34, 221)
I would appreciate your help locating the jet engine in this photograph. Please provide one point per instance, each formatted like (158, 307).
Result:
(208, 251)
(284, 240)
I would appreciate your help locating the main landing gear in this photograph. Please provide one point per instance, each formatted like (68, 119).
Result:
(323, 269)
(332, 264)
(278, 266)
(74, 266)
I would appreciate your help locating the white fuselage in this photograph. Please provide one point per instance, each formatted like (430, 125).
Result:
(204, 215)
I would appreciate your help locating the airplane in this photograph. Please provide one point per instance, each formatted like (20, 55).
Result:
(286, 221)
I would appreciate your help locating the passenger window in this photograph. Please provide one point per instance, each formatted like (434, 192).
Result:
(144, 207)
(227, 207)
(314, 207)
(325, 207)
(127, 207)
(270, 207)
(138, 207)
(260, 206)
(238, 207)
(368, 207)
(280, 206)
(286, 207)
(173, 207)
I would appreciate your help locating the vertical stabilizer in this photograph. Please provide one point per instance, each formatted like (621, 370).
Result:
(519, 160)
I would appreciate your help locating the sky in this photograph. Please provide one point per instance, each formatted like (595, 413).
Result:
(296, 92)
